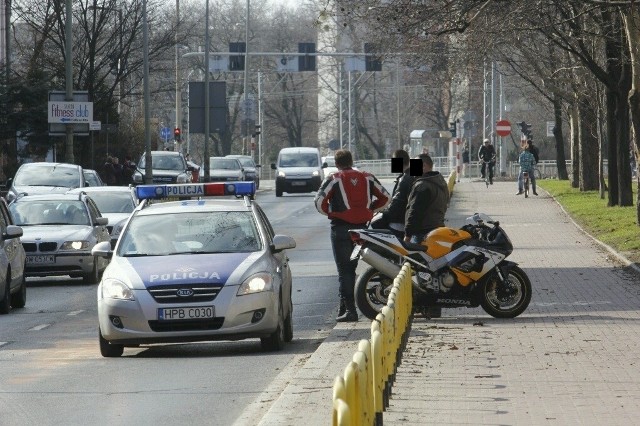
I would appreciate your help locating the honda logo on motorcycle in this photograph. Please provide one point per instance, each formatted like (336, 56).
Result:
(184, 292)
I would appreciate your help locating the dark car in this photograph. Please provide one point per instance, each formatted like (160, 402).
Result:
(167, 167)
(250, 168)
(13, 288)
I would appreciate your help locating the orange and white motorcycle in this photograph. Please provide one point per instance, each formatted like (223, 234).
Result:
(453, 268)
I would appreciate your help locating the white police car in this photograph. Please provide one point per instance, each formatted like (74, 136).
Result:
(195, 269)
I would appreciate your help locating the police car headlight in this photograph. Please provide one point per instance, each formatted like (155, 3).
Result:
(316, 173)
(75, 245)
(115, 289)
(256, 284)
(281, 173)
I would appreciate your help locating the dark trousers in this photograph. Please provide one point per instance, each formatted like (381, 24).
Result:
(484, 168)
(342, 247)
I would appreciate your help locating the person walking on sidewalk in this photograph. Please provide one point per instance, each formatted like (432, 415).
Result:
(487, 154)
(526, 161)
(427, 204)
(347, 198)
(465, 161)
(392, 217)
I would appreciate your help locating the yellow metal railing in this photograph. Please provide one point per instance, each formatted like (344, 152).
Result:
(362, 393)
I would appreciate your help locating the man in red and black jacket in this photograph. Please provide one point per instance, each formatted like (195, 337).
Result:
(349, 198)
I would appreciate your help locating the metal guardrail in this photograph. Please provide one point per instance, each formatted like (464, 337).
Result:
(362, 393)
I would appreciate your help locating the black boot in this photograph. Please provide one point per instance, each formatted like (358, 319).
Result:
(433, 312)
(351, 315)
(342, 309)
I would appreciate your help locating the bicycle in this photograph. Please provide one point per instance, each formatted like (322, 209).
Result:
(525, 177)
(487, 173)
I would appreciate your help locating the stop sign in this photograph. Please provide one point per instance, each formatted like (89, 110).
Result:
(503, 128)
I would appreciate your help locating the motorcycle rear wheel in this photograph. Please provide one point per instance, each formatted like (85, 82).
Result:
(508, 301)
(371, 292)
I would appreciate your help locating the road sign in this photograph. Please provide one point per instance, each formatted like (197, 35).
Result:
(165, 132)
(69, 112)
(95, 125)
(503, 128)
(550, 126)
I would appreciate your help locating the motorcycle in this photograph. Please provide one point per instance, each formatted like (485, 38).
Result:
(453, 268)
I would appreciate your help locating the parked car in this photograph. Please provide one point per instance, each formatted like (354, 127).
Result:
(59, 231)
(222, 169)
(92, 178)
(13, 287)
(45, 178)
(166, 167)
(115, 203)
(196, 270)
(250, 168)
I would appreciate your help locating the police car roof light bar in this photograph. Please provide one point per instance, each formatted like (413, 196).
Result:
(190, 190)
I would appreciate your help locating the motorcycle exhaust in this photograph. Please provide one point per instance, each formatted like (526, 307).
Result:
(383, 265)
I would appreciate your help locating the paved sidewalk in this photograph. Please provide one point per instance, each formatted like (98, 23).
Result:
(573, 357)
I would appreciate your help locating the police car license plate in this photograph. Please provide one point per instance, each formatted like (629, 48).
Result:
(41, 260)
(195, 312)
(356, 252)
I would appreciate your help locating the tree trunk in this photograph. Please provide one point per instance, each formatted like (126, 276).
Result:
(575, 145)
(588, 146)
(631, 20)
(557, 134)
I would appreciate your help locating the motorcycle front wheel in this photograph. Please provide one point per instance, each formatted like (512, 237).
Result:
(508, 299)
(371, 292)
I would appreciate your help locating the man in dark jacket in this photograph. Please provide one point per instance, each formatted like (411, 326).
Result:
(487, 154)
(394, 214)
(427, 203)
(347, 198)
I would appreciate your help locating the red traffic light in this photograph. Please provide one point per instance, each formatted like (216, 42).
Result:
(176, 133)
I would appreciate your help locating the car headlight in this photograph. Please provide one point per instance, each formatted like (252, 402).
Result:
(316, 173)
(137, 177)
(116, 289)
(182, 178)
(75, 245)
(281, 173)
(256, 283)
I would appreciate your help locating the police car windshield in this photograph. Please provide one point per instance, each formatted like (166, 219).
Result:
(190, 233)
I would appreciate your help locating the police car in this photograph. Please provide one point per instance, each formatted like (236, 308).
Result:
(197, 268)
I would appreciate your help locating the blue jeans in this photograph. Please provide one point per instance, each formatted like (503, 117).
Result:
(532, 179)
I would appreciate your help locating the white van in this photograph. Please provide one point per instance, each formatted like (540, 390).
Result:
(298, 170)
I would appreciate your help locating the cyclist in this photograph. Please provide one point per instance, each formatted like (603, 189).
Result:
(487, 154)
(526, 161)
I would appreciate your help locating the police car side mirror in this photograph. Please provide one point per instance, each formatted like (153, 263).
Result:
(282, 242)
(102, 249)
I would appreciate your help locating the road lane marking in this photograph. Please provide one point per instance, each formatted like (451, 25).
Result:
(74, 313)
(39, 327)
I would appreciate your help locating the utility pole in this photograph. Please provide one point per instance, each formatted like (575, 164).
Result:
(68, 155)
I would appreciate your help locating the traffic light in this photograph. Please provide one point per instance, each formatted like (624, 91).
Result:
(372, 63)
(176, 134)
(307, 63)
(525, 128)
(452, 128)
(236, 62)
(257, 131)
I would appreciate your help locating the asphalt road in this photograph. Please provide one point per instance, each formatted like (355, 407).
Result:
(51, 370)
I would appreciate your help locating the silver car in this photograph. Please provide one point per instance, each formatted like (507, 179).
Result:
(13, 288)
(59, 231)
(195, 270)
(115, 203)
(44, 178)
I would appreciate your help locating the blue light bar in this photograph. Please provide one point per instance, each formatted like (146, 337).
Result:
(189, 190)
